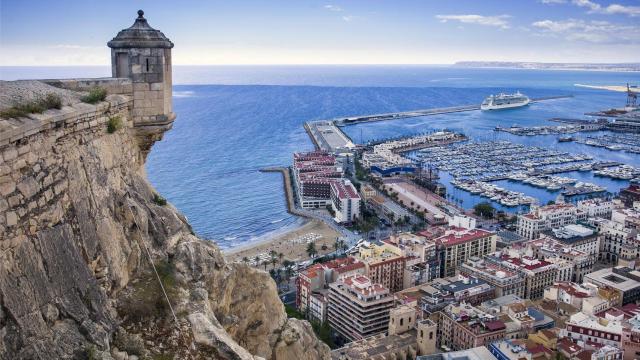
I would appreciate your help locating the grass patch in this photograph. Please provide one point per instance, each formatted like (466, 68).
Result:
(159, 200)
(114, 124)
(145, 300)
(95, 95)
(293, 312)
(38, 106)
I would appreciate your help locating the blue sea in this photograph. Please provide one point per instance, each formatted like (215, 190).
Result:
(234, 120)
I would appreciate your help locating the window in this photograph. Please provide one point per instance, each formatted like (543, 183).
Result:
(147, 61)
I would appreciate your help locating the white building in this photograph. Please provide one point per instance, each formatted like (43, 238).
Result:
(545, 218)
(345, 201)
(598, 208)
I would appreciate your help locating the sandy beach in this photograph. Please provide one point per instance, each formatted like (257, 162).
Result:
(292, 244)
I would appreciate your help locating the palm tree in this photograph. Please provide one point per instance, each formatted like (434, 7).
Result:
(265, 263)
(280, 257)
(311, 249)
(274, 261)
(245, 260)
(257, 259)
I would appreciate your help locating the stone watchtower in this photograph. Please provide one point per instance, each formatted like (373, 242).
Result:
(143, 54)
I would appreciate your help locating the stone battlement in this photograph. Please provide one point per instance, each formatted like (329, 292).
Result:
(67, 120)
(112, 85)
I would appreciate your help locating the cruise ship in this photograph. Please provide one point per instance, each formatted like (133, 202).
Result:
(504, 101)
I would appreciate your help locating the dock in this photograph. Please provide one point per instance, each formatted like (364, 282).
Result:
(424, 112)
(327, 135)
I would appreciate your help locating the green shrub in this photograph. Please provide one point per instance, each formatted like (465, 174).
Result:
(38, 106)
(95, 95)
(114, 124)
(90, 353)
(52, 101)
(159, 200)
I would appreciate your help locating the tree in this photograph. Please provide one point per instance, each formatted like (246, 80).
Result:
(484, 209)
(265, 263)
(311, 249)
(280, 257)
(257, 259)
(245, 260)
(288, 268)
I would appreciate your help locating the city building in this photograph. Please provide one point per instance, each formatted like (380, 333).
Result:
(314, 172)
(318, 277)
(620, 236)
(587, 330)
(477, 353)
(505, 281)
(578, 237)
(457, 245)
(345, 201)
(406, 338)
(509, 350)
(544, 218)
(358, 308)
(625, 281)
(572, 263)
(630, 194)
(538, 274)
(384, 263)
(546, 337)
(462, 326)
(596, 208)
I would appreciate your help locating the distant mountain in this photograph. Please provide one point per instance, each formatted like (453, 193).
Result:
(550, 66)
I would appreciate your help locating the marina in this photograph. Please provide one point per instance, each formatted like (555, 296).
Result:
(475, 165)
(619, 142)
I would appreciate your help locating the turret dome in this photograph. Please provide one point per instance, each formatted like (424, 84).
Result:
(140, 35)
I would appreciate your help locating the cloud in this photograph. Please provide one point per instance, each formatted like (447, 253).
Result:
(589, 31)
(349, 18)
(610, 9)
(497, 21)
(553, 1)
(333, 8)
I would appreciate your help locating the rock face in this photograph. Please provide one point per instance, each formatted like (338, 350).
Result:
(80, 227)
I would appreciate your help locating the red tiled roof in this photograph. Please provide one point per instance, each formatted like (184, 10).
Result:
(345, 191)
(568, 346)
(457, 236)
(495, 325)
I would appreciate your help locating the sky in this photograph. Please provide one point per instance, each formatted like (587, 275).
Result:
(75, 32)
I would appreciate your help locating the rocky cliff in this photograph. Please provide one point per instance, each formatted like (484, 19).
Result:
(80, 228)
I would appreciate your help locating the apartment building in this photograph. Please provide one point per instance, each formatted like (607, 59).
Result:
(538, 274)
(358, 307)
(625, 281)
(545, 218)
(457, 245)
(462, 326)
(313, 173)
(572, 263)
(384, 263)
(319, 276)
(620, 240)
(505, 281)
(596, 208)
(345, 201)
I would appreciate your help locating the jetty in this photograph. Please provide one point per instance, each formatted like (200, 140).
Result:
(288, 189)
